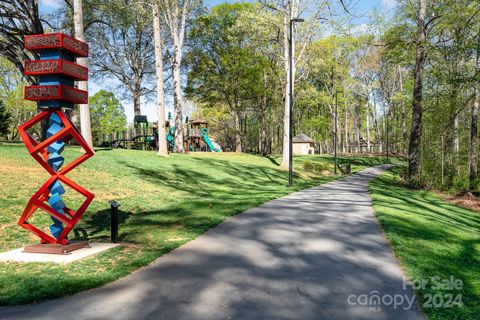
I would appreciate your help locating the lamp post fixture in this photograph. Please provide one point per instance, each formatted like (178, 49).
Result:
(290, 137)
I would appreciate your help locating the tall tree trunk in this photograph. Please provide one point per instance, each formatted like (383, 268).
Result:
(262, 134)
(85, 125)
(368, 128)
(456, 138)
(177, 103)
(358, 124)
(137, 110)
(238, 132)
(273, 143)
(359, 146)
(162, 140)
(404, 112)
(416, 132)
(384, 130)
(404, 128)
(450, 153)
(175, 15)
(473, 154)
(286, 105)
(345, 139)
(375, 126)
(443, 160)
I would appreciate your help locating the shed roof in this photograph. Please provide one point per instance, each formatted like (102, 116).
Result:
(198, 121)
(303, 138)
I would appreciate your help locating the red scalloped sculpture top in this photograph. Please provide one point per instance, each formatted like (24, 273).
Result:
(39, 42)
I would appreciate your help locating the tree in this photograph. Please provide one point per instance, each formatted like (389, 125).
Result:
(162, 141)
(225, 70)
(287, 11)
(175, 14)
(11, 93)
(108, 114)
(122, 48)
(334, 69)
(473, 154)
(416, 131)
(4, 119)
(17, 19)
(85, 125)
(443, 144)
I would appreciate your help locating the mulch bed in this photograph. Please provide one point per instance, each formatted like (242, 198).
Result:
(465, 200)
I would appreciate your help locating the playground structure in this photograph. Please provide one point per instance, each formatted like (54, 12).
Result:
(57, 71)
(196, 136)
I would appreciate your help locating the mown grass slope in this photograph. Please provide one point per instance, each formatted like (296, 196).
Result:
(435, 242)
(165, 202)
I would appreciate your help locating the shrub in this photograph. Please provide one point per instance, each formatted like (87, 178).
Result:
(314, 167)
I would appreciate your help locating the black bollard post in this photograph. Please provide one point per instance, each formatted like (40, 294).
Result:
(114, 220)
(348, 168)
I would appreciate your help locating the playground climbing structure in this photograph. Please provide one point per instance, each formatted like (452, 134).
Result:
(57, 72)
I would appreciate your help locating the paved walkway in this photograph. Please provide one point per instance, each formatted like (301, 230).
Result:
(315, 254)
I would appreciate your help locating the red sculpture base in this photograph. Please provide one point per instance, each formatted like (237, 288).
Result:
(56, 248)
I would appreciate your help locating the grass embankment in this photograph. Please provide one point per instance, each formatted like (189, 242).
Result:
(432, 239)
(164, 204)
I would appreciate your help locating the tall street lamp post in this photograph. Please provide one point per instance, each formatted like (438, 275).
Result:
(335, 135)
(388, 131)
(290, 126)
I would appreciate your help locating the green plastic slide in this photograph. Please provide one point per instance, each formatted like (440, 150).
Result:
(206, 139)
(171, 137)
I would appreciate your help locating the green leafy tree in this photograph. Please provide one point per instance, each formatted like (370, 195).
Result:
(225, 70)
(11, 93)
(108, 114)
(330, 74)
(4, 119)
(431, 49)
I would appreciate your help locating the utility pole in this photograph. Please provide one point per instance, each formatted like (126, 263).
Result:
(290, 136)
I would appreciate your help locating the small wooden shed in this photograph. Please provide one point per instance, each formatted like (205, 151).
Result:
(303, 144)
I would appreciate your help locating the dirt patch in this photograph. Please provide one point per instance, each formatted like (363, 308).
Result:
(10, 166)
(465, 200)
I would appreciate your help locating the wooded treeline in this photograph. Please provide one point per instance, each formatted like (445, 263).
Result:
(406, 81)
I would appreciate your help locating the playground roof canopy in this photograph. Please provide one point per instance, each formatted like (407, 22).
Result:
(303, 138)
(140, 119)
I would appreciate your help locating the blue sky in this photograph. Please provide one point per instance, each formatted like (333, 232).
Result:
(360, 9)
(360, 4)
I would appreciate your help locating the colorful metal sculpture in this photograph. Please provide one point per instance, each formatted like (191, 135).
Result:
(57, 72)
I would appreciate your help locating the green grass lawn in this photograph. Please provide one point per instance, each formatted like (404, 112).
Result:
(165, 202)
(432, 239)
